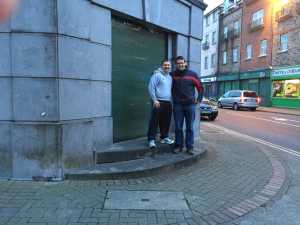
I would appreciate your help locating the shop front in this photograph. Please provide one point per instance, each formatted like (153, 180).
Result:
(286, 87)
(227, 82)
(258, 81)
(210, 86)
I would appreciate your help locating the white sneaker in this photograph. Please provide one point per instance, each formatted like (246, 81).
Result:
(152, 144)
(167, 140)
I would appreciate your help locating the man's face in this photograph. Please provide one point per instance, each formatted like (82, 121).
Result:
(6, 7)
(180, 64)
(166, 66)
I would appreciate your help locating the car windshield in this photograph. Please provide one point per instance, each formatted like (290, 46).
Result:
(250, 94)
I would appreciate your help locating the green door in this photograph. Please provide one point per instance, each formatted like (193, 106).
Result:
(253, 85)
(136, 52)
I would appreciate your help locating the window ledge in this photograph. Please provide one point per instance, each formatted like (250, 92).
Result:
(260, 56)
(248, 59)
(283, 51)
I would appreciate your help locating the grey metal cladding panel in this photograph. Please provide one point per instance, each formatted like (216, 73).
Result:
(4, 55)
(82, 59)
(75, 99)
(195, 67)
(33, 55)
(195, 50)
(100, 25)
(35, 16)
(5, 151)
(182, 46)
(35, 99)
(74, 18)
(77, 145)
(102, 132)
(35, 151)
(197, 22)
(130, 7)
(5, 100)
(170, 14)
(101, 98)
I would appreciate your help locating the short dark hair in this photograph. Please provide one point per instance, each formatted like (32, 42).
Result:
(164, 60)
(180, 58)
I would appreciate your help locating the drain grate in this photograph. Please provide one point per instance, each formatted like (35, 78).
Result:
(145, 200)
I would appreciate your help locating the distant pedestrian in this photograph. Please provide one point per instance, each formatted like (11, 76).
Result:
(161, 110)
(185, 82)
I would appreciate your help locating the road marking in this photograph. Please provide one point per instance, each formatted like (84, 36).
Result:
(283, 119)
(278, 122)
(261, 141)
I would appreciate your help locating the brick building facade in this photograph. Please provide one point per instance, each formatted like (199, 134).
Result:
(286, 55)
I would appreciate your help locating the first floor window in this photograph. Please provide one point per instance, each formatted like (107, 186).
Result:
(286, 88)
(249, 51)
(263, 47)
(213, 60)
(225, 57)
(284, 40)
(235, 55)
(206, 63)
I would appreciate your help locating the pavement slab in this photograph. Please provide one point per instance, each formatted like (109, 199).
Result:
(234, 178)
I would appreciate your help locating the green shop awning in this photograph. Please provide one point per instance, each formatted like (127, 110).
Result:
(255, 74)
(285, 73)
(228, 77)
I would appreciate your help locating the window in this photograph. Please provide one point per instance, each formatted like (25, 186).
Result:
(284, 39)
(225, 57)
(207, 20)
(258, 18)
(249, 51)
(207, 39)
(214, 38)
(213, 60)
(235, 55)
(225, 32)
(215, 17)
(236, 27)
(263, 48)
(206, 63)
(286, 88)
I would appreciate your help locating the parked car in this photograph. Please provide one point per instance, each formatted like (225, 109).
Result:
(237, 99)
(209, 109)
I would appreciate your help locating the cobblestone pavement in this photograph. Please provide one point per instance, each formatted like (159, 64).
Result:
(225, 184)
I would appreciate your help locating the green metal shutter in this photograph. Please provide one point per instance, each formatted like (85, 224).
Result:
(136, 53)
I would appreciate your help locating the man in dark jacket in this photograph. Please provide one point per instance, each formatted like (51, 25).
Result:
(184, 103)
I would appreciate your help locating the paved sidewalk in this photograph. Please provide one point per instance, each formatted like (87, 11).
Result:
(234, 178)
(294, 112)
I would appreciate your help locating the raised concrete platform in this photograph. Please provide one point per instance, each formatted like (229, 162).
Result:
(133, 159)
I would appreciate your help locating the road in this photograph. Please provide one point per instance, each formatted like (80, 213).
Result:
(279, 129)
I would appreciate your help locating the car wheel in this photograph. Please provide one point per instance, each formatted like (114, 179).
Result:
(212, 118)
(235, 107)
(220, 105)
(253, 109)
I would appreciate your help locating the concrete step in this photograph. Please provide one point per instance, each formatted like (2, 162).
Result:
(129, 150)
(146, 166)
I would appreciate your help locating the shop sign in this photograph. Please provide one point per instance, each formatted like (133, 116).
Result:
(286, 72)
(256, 74)
(208, 79)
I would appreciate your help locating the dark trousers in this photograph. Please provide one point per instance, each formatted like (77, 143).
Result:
(160, 117)
(187, 113)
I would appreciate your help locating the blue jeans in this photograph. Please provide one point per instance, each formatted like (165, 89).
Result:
(187, 113)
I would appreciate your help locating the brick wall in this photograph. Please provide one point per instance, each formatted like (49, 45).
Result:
(291, 26)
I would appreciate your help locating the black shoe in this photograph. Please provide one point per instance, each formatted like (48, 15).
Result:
(190, 152)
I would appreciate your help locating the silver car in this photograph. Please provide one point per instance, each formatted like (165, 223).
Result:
(237, 99)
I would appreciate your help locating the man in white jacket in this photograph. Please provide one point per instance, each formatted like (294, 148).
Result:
(159, 88)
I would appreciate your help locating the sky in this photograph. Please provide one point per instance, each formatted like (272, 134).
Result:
(212, 4)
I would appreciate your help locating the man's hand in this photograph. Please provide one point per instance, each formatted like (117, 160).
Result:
(156, 104)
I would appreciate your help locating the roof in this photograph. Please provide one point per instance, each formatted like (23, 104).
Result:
(198, 3)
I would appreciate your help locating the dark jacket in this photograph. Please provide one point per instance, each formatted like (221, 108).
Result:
(183, 87)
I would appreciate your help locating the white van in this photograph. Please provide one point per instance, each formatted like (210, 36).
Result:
(237, 99)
